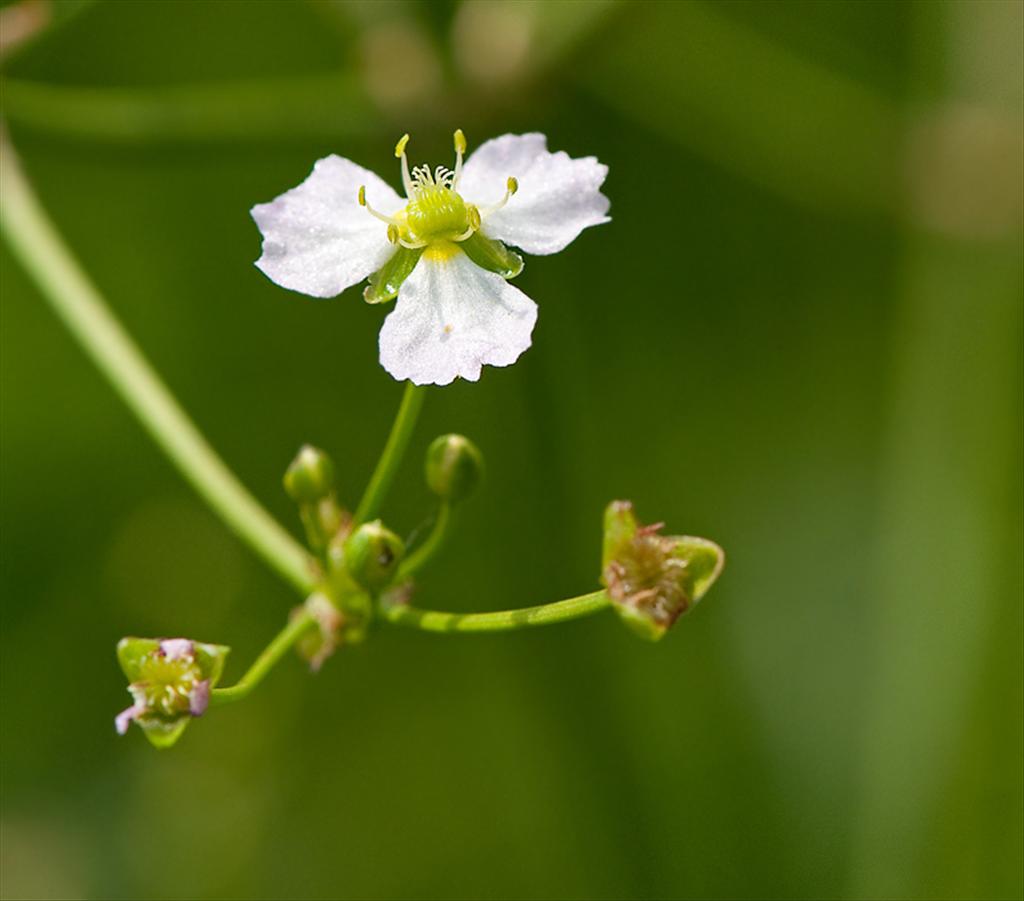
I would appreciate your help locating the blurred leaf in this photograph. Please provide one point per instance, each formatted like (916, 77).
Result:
(947, 605)
(746, 103)
(295, 109)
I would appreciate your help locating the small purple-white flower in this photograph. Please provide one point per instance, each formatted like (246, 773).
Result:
(438, 250)
(170, 681)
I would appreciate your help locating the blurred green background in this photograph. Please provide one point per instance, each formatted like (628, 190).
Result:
(800, 336)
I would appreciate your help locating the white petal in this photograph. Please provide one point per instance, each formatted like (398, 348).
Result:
(317, 239)
(125, 717)
(177, 648)
(558, 196)
(451, 318)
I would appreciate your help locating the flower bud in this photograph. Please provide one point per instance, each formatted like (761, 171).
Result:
(454, 466)
(310, 477)
(372, 554)
(170, 681)
(654, 579)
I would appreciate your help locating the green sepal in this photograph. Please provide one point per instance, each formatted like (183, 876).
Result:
(134, 654)
(163, 733)
(640, 624)
(492, 255)
(620, 526)
(130, 654)
(654, 579)
(386, 281)
(704, 561)
(210, 658)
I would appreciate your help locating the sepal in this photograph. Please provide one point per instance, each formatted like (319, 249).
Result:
(384, 283)
(492, 255)
(170, 680)
(654, 579)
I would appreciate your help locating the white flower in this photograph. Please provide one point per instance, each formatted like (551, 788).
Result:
(437, 249)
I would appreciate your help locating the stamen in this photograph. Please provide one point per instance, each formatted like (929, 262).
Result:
(362, 202)
(413, 245)
(460, 148)
(422, 177)
(400, 154)
(511, 186)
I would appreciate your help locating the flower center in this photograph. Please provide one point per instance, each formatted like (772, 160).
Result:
(435, 212)
(166, 684)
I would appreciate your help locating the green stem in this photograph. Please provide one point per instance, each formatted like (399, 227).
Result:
(391, 458)
(435, 541)
(500, 620)
(265, 662)
(76, 301)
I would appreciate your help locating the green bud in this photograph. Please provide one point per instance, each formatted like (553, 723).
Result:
(454, 466)
(654, 579)
(310, 477)
(372, 554)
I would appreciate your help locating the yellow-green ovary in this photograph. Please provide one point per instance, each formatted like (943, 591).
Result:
(437, 214)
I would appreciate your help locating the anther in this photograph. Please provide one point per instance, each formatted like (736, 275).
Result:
(460, 149)
(511, 186)
(393, 233)
(400, 154)
(392, 223)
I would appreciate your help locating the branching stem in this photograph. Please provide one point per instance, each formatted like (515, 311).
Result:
(36, 243)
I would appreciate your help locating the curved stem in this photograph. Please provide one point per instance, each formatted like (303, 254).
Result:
(429, 549)
(391, 457)
(500, 620)
(76, 301)
(265, 662)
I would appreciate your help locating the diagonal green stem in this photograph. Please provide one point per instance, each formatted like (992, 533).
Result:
(391, 458)
(500, 620)
(76, 301)
(429, 549)
(273, 652)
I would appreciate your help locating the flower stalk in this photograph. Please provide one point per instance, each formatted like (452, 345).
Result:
(72, 296)
(401, 614)
(391, 458)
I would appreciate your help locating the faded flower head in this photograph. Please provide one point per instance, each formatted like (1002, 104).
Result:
(439, 249)
(654, 579)
(170, 680)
